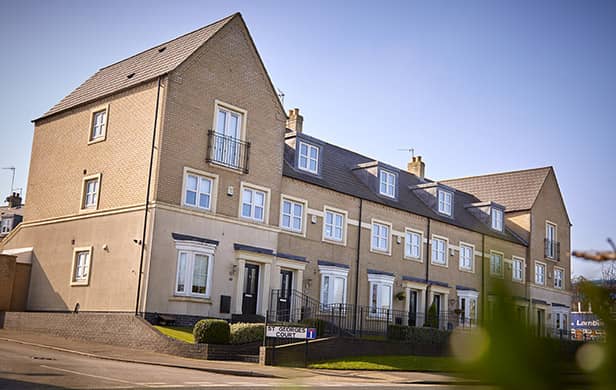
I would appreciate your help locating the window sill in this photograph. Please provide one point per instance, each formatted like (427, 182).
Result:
(97, 140)
(177, 298)
(228, 167)
(84, 283)
(380, 251)
(440, 264)
(415, 259)
(293, 232)
(334, 241)
(497, 276)
(88, 210)
(467, 270)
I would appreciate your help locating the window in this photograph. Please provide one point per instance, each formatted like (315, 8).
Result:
(497, 219)
(227, 144)
(439, 251)
(292, 215)
(517, 269)
(445, 199)
(381, 291)
(540, 273)
(5, 225)
(253, 204)
(91, 188)
(550, 240)
(496, 264)
(412, 245)
(99, 125)
(387, 183)
(198, 191)
(467, 256)
(333, 286)
(193, 274)
(467, 304)
(380, 237)
(333, 226)
(308, 158)
(559, 275)
(81, 266)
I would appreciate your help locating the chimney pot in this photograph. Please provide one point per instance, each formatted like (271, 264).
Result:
(14, 200)
(416, 167)
(295, 121)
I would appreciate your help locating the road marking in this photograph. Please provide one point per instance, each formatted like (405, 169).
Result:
(90, 375)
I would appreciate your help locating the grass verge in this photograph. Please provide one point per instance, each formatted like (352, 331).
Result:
(177, 332)
(390, 363)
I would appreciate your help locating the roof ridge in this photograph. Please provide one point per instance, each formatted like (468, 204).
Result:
(225, 19)
(548, 167)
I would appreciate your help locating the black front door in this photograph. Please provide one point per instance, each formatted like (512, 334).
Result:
(284, 298)
(251, 286)
(437, 304)
(413, 308)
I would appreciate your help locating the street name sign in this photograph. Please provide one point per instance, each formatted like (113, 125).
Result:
(291, 332)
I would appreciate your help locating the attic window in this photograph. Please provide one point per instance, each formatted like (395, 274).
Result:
(162, 49)
(445, 202)
(130, 75)
(387, 183)
(497, 219)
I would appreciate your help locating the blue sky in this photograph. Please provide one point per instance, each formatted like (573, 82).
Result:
(473, 86)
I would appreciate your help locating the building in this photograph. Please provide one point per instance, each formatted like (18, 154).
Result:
(10, 215)
(189, 191)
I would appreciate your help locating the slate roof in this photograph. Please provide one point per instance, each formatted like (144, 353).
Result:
(144, 66)
(337, 175)
(515, 190)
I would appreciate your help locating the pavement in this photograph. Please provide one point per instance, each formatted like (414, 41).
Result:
(79, 357)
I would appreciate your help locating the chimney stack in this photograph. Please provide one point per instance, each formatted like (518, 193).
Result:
(416, 167)
(14, 200)
(295, 121)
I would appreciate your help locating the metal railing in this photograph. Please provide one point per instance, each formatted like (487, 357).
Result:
(551, 249)
(227, 151)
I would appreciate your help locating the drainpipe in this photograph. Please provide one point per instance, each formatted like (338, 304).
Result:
(428, 261)
(361, 204)
(147, 200)
(483, 278)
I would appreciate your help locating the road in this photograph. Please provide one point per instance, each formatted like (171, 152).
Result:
(31, 367)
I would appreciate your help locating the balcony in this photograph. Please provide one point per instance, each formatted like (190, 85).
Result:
(552, 249)
(227, 151)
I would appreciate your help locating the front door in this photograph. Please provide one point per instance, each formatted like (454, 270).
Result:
(251, 286)
(437, 304)
(284, 297)
(413, 308)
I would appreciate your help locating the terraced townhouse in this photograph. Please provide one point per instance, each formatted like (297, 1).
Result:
(174, 183)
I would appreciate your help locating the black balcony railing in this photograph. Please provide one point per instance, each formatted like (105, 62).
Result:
(552, 249)
(227, 151)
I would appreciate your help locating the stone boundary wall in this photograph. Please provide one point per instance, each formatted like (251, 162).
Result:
(121, 329)
(339, 347)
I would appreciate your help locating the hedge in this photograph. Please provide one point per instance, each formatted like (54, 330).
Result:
(417, 335)
(210, 331)
(243, 333)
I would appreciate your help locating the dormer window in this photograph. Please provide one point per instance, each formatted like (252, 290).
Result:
(497, 219)
(445, 202)
(387, 182)
(308, 159)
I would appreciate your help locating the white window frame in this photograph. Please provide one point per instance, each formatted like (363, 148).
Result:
(518, 260)
(101, 137)
(538, 265)
(493, 271)
(84, 186)
(332, 272)
(463, 247)
(293, 200)
(497, 216)
(408, 244)
(6, 224)
(379, 225)
(387, 179)
(562, 278)
(244, 186)
(435, 251)
(243, 117)
(549, 224)
(85, 280)
(191, 249)
(380, 281)
(469, 295)
(309, 148)
(213, 189)
(334, 211)
(444, 199)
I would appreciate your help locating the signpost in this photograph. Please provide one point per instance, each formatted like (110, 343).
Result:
(292, 332)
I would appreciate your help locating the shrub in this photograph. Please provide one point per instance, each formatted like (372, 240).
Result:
(432, 317)
(242, 333)
(211, 331)
(417, 335)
